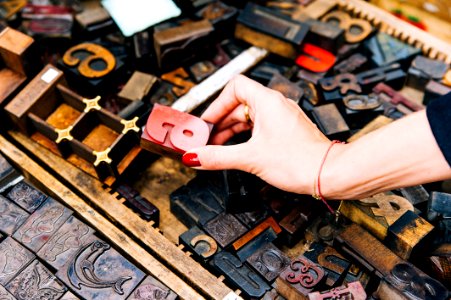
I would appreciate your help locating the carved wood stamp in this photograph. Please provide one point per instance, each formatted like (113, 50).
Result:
(152, 289)
(13, 259)
(269, 261)
(225, 229)
(137, 87)
(26, 196)
(5, 295)
(11, 216)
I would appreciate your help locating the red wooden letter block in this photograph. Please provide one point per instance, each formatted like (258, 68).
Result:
(172, 132)
(315, 59)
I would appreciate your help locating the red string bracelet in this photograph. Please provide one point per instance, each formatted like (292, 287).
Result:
(320, 196)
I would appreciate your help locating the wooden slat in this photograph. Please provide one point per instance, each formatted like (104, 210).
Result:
(92, 189)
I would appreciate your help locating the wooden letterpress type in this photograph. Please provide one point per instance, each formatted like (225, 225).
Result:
(9, 8)
(47, 20)
(351, 290)
(396, 98)
(200, 244)
(423, 70)
(97, 271)
(172, 132)
(289, 89)
(439, 205)
(94, 20)
(415, 194)
(5, 295)
(11, 216)
(13, 259)
(26, 196)
(315, 9)
(324, 228)
(225, 229)
(356, 30)
(202, 70)
(384, 50)
(310, 93)
(325, 35)
(42, 224)
(13, 55)
(362, 109)
(330, 121)
(220, 15)
(300, 278)
(240, 275)
(439, 264)
(269, 261)
(265, 71)
(250, 235)
(352, 64)
(434, 90)
(391, 75)
(252, 218)
(362, 102)
(163, 94)
(279, 34)
(273, 295)
(139, 204)
(315, 59)
(137, 87)
(66, 241)
(336, 87)
(181, 43)
(152, 289)
(180, 79)
(241, 190)
(268, 235)
(36, 282)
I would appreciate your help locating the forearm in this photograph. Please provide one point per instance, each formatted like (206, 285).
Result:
(403, 153)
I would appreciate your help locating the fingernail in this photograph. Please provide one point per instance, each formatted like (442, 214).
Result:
(190, 160)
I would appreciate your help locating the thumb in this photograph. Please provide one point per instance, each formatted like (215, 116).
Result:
(215, 157)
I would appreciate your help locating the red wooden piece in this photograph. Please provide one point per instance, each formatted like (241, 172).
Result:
(315, 59)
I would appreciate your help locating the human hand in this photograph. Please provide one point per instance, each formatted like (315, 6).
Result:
(285, 149)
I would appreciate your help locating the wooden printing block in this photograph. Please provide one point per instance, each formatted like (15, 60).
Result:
(26, 196)
(315, 9)
(171, 132)
(263, 28)
(384, 50)
(351, 290)
(439, 264)
(378, 122)
(315, 59)
(362, 109)
(335, 88)
(202, 70)
(241, 190)
(297, 220)
(36, 282)
(94, 21)
(180, 44)
(352, 64)
(7, 173)
(301, 277)
(423, 70)
(434, 90)
(151, 288)
(404, 279)
(253, 233)
(139, 204)
(40, 87)
(179, 78)
(288, 89)
(222, 17)
(391, 75)
(396, 98)
(5, 295)
(268, 235)
(10, 8)
(241, 276)
(252, 218)
(65, 242)
(330, 121)
(69, 296)
(196, 203)
(49, 21)
(324, 228)
(334, 264)
(109, 275)
(13, 259)
(265, 71)
(225, 229)
(42, 224)
(269, 261)
(200, 244)
(272, 295)
(439, 205)
(137, 87)
(356, 30)
(324, 35)
(163, 94)
(11, 216)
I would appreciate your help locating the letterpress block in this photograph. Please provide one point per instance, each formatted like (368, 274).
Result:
(391, 75)
(176, 45)
(384, 50)
(439, 205)
(423, 70)
(434, 90)
(352, 64)
(180, 79)
(225, 229)
(137, 87)
(241, 190)
(265, 71)
(66, 241)
(362, 109)
(152, 288)
(278, 34)
(396, 98)
(259, 229)
(324, 228)
(273, 295)
(240, 275)
(172, 132)
(202, 70)
(415, 194)
(352, 290)
(5, 295)
(42, 224)
(94, 20)
(7, 173)
(439, 264)
(11, 216)
(13, 259)
(310, 93)
(356, 30)
(252, 218)
(268, 235)
(26, 196)
(36, 282)
(378, 122)
(10, 8)
(301, 277)
(315, 59)
(69, 296)
(336, 87)
(13, 59)
(139, 204)
(269, 261)
(200, 244)
(325, 35)
(221, 16)
(289, 89)
(97, 271)
(330, 121)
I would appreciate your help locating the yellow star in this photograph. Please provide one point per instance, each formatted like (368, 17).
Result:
(92, 104)
(102, 156)
(63, 134)
(130, 125)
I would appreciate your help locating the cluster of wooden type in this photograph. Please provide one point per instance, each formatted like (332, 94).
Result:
(47, 252)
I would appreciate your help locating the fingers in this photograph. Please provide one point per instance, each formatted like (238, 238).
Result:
(214, 157)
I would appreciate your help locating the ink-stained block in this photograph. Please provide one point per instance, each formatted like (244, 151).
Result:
(356, 30)
(66, 241)
(69, 296)
(415, 194)
(325, 35)
(269, 261)
(378, 122)
(13, 259)
(180, 80)
(26, 196)
(240, 275)
(423, 70)
(94, 21)
(11, 216)
(199, 243)
(289, 89)
(439, 205)
(273, 295)
(265, 71)
(220, 15)
(225, 229)
(202, 70)
(352, 64)
(139, 204)
(36, 282)
(330, 121)
(352, 290)
(42, 224)
(152, 289)
(388, 94)
(137, 87)
(97, 271)
(268, 235)
(5, 295)
(315, 59)
(324, 228)
(301, 277)
(241, 190)
(172, 132)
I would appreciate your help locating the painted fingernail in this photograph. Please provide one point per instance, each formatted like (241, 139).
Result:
(190, 160)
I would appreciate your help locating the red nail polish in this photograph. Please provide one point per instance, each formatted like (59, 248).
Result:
(190, 160)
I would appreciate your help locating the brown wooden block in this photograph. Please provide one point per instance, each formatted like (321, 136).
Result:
(330, 121)
(5, 295)
(396, 98)
(289, 89)
(137, 87)
(225, 229)
(325, 35)
(391, 75)
(324, 228)
(252, 218)
(202, 70)
(65, 242)
(269, 261)
(94, 20)
(272, 295)
(440, 264)
(349, 25)
(13, 259)
(150, 289)
(139, 204)
(352, 64)
(42, 224)
(180, 79)
(416, 194)
(300, 278)
(36, 282)
(352, 290)
(423, 70)
(336, 87)
(11, 216)
(8, 9)
(250, 235)
(26, 196)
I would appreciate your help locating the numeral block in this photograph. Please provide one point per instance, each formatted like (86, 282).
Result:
(315, 59)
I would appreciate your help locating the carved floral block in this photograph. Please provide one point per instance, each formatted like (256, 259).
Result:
(26, 196)
(5, 295)
(13, 258)
(225, 229)
(152, 289)
(11, 216)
